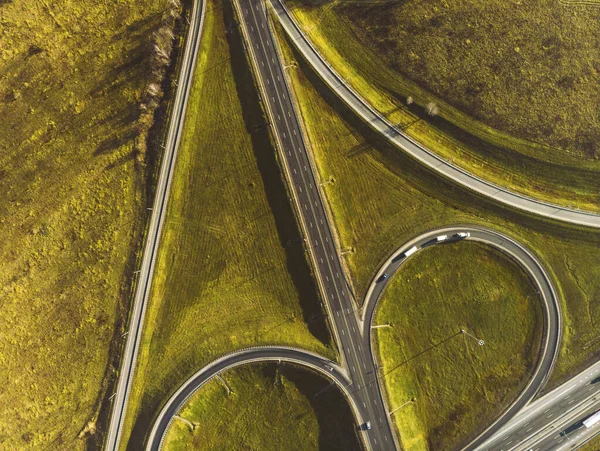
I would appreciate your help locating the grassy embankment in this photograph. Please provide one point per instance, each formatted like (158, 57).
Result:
(516, 109)
(457, 385)
(381, 199)
(73, 209)
(270, 407)
(231, 271)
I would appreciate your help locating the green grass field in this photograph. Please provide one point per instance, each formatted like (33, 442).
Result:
(458, 385)
(270, 407)
(231, 271)
(524, 118)
(592, 445)
(73, 209)
(381, 199)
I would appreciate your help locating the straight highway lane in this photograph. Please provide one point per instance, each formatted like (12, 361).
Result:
(555, 420)
(159, 208)
(309, 204)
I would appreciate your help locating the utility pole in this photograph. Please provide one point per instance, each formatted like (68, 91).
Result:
(411, 400)
(479, 341)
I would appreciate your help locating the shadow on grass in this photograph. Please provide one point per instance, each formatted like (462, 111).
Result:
(272, 175)
(565, 174)
(153, 156)
(275, 190)
(336, 423)
(429, 182)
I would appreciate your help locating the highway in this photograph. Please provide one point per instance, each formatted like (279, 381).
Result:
(554, 421)
(550, 304)
(259, 354)
(309, 205)
(159, 209)
(425, 156)
(357, 376)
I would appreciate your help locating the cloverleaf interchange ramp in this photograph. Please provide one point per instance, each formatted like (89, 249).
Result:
(521, 255)
(425, 156)
(353, 340)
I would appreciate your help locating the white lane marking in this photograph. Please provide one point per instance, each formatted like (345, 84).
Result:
(343, 333)
(284, 135)
(268, 81)
(294, 131)
(528, 429)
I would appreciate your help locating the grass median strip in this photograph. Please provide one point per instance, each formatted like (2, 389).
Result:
(265, 407)
(231, 270)
(443, 383)
(73, 209)
(381, 199)
(516, 118)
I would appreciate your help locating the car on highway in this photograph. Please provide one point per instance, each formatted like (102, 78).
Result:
(441, 238)
(367, 426)
(462, 235)
(411, 251)
(383, 277)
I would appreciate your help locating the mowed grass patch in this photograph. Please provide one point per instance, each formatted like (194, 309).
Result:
(381, 199)
(522, 119)
(270, 407)
(231, 270)
(73, 209)
(458, 386)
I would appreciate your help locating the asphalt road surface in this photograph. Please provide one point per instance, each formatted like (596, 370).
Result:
(318, 236)
(555, 421)
(361, 383)
(414, 149)
(159, 209)
(535, 270)
(260, 354)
